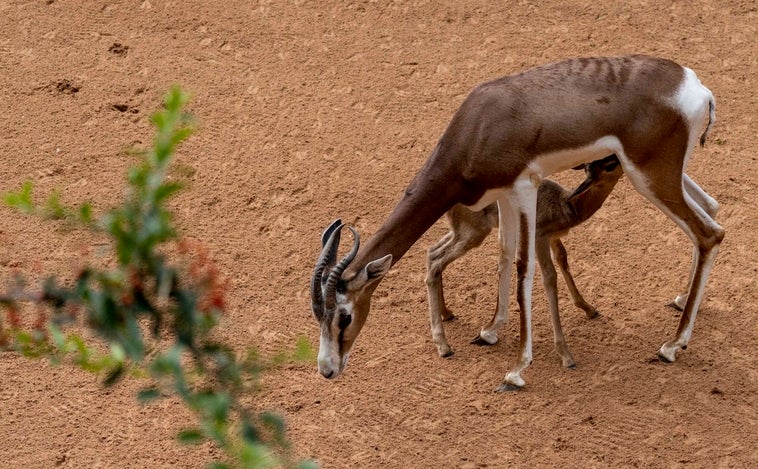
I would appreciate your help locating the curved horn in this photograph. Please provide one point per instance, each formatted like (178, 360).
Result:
(330, 241)
(330, 291)
(329, 230)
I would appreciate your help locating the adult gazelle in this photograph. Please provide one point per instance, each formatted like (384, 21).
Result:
(508, 135)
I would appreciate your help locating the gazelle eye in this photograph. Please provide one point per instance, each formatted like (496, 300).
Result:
(345, 320)
(611, 166)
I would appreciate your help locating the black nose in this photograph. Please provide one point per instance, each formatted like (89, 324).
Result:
(327, 374)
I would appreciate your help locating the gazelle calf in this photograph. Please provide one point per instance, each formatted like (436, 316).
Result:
(509, 134)
(558, 210)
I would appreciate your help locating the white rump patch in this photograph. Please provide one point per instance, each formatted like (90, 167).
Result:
(693, 99)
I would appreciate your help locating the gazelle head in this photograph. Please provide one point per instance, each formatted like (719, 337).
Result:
(341, 305)
(601, 174)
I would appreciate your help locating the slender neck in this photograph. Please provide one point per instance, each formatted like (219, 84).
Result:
(433, 191)
(590, 201)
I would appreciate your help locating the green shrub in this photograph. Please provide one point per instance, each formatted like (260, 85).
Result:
(156, 316)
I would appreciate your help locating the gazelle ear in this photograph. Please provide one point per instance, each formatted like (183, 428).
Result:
(372, 272)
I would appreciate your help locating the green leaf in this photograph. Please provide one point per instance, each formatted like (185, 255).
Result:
(175, 99)
(158, 119)
(54, 209)
(117, 352)
(21, 200)
(256, 455)
(249, 433)
(59, 339)
(85, 213)
(275, 422)
(75, 344)
(213, 404)
(181, 135)
(307, 465)
(190, 437)
(165, 191)
(165, 363)
(133, 343)
(114, 375)
(219, 465)
(304, 351)
(148, 395)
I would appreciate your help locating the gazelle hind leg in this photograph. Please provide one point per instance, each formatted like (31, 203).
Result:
(525, 197)
(665, 189)
(710, 206)
(704, 264)
(550, 282)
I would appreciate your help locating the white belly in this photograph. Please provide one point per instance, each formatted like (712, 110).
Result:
(548, 163)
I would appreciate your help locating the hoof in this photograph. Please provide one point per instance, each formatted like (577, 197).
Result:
(675, 306)
(594, 315)
(448, 316)
(666, 356)
(567, 361)
(444, 351)
(667, 352)
(508, 387)
(479, 340)
(512, 382)
(485, 338)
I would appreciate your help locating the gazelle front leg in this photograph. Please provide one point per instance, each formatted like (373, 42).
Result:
(524, 199)
(508, 232)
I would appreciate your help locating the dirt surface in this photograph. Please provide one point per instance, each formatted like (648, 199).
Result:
(312, 110)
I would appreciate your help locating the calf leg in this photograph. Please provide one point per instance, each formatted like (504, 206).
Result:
(550, 281)
(462, 238)
(561, 257)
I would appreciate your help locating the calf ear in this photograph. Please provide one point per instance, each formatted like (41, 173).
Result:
(372, 272)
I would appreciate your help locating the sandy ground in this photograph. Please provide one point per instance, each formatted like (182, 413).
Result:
(312, 110)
